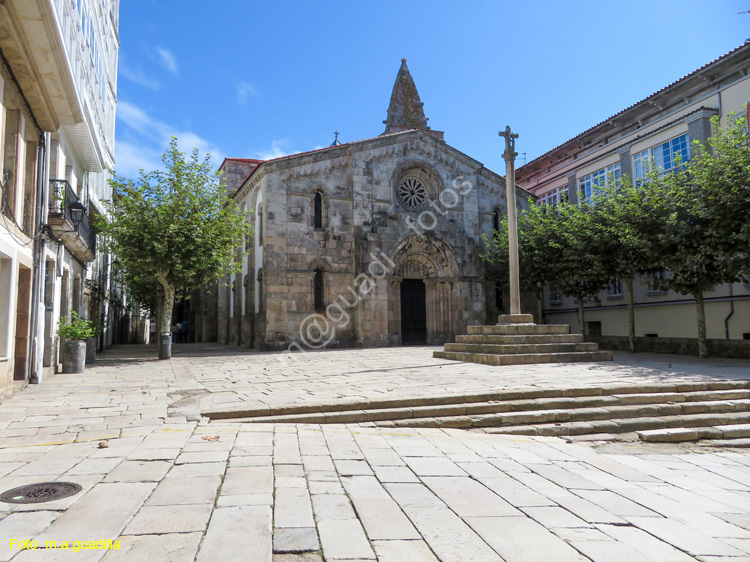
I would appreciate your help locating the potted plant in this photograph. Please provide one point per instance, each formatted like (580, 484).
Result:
(76, 331)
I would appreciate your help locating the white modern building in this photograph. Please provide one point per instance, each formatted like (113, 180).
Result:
(58, 93)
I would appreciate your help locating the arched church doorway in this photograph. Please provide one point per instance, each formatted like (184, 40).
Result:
(413, 312)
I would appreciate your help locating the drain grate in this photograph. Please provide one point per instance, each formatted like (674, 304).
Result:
(40, 493)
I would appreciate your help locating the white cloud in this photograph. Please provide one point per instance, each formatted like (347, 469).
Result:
(277, 150)
(132, 157)
(137, 76)
(167, 60)
(142, 139)
(244, 90)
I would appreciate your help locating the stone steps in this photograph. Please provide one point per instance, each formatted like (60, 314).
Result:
(641, 424)
(679, 434)
(521, 348)
(518, 329)
(518, 339)
(610, 409)
(552, 421)
(517, 399)
(525, 358)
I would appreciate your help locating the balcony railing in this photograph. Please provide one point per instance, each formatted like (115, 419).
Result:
(63, 223)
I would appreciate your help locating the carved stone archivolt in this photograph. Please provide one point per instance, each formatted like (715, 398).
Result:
(424, 257)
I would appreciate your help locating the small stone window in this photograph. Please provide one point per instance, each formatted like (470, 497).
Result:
(260, 225)
(318, 211)
(497, 220)
(318, 291)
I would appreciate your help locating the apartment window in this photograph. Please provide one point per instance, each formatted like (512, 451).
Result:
(594, 328)
(672, 154)
(554, 197)
(665, 157)
(653, 282)
(589, 186)
(614, 288)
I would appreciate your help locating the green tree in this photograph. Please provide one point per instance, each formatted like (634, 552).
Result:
(572, 230)
(172, 230)
(536, 259)
(555, 245)
(628, 222)
(706, 233)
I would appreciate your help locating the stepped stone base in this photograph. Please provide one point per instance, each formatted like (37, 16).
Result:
(516, 340)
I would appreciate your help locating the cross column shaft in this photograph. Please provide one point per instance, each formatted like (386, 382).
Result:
(510, 197)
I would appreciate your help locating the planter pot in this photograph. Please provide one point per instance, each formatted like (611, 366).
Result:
(74, 356)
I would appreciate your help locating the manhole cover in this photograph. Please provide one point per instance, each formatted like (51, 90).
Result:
(40, 493)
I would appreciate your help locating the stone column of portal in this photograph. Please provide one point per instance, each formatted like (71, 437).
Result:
(510, 187)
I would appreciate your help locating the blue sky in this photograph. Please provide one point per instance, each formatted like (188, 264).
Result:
(264, 79)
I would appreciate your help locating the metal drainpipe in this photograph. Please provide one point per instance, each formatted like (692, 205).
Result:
(731, 311)
(39, 262)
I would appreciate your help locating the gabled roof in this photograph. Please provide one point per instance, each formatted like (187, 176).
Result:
(251, 160)
(423, 134)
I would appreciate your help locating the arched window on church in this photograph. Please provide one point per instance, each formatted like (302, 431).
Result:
(260, 225)
(318, 211)
(318, 290)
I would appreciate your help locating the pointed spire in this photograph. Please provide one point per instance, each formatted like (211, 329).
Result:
(405, 110)
(336, 141)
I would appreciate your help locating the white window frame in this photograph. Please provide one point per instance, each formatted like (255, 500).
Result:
(614, 289)
(554, 197)
(651, 289)
(554, 295)
(590, 185)
(655, 157)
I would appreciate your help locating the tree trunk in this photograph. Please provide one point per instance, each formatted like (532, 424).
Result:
(165, 306)
(159, 314)
(701, 309)
(631, 315)
(540, 307)
(580, 315)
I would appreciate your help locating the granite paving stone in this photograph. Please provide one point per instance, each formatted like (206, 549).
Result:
(520, 539)
(235, 532)
(187, 490)
(174, 546)
(158, 519)
(405, 494)
(468, 497)
(343, 540)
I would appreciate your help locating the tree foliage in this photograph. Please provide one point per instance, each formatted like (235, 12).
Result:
(692, 223)
(705, 236)
(172, 230)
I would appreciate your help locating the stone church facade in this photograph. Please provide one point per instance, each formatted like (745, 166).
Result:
(369, 243)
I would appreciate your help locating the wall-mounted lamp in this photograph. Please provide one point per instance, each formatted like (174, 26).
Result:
(77, 210)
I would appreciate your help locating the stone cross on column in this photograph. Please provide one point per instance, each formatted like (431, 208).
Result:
(510, 187)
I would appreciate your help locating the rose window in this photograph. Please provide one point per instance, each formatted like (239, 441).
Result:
(413, 192)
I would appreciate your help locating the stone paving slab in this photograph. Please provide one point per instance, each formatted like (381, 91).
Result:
(169, 488)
